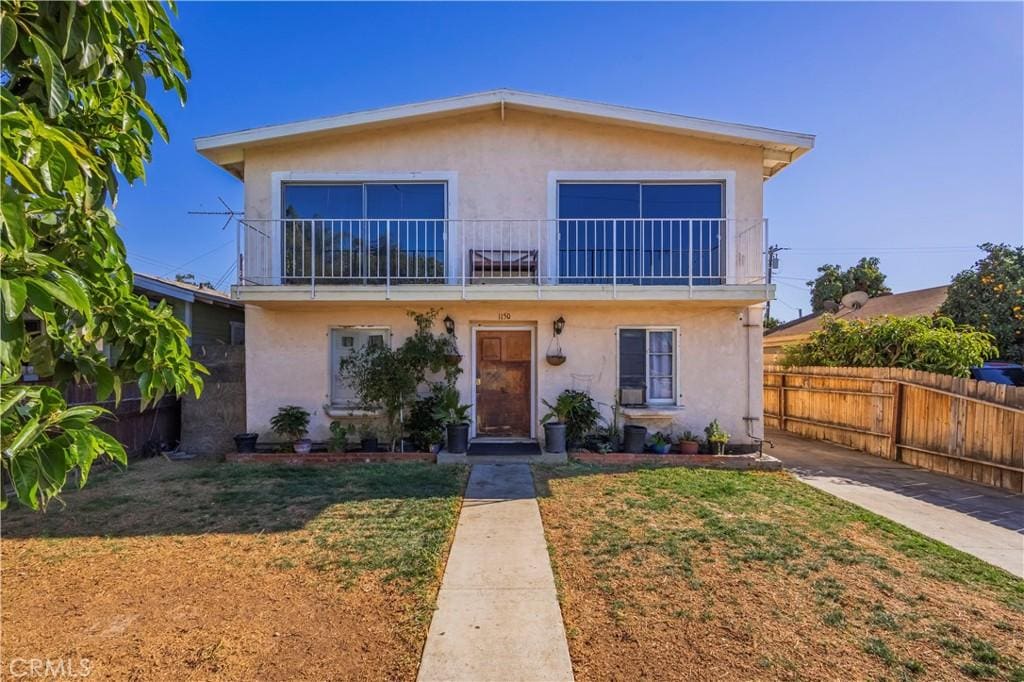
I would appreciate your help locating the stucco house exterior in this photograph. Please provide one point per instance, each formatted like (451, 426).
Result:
(643, 232)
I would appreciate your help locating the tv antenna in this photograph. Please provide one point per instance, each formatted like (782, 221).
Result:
(229, 212)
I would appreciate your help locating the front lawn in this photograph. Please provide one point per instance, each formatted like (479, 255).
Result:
(673, 573)
(219, 571)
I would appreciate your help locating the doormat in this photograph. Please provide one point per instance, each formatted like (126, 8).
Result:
(492, 449)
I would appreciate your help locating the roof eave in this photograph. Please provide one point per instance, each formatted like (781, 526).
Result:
(783, 147)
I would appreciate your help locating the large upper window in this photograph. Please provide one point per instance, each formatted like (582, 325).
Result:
(344, 342)
(640, 232)
(647, 361)
(363, 231)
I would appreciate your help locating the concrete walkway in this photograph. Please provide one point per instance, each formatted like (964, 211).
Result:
(497, 614)
(976, 519)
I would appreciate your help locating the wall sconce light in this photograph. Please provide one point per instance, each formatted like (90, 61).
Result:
(559, 325)
(449, 325)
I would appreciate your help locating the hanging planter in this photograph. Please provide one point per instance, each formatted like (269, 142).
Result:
(555, 355)
(453, 359)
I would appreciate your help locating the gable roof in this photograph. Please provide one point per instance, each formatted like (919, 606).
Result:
(780, 147)
(906, 304)
(183, 291)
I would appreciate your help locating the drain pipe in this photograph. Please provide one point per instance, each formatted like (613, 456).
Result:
(750, 419)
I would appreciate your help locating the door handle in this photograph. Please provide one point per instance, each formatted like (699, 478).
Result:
(478, 381)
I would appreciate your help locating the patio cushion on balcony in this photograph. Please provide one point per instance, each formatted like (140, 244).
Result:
(503, 262)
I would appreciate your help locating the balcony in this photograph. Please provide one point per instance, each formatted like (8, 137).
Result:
(707, 259)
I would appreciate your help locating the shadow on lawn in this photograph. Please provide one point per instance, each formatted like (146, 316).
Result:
(158, 497)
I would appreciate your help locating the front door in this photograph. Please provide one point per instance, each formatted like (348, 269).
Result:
(503, 374)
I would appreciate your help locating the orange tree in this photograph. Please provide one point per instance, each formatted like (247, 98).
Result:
(75, 118)
(990, 296)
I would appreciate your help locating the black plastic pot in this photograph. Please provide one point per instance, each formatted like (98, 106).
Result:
(368, 445)
(633, 438)
(554, 437)
(246, 442)
(457, 438)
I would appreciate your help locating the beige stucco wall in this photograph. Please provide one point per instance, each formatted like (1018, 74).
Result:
(502, 167)
(719, 360)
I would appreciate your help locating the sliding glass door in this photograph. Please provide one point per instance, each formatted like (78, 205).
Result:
(363, 233)
(640, 233)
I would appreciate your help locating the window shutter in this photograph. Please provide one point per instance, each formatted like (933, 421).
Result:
(632, 358)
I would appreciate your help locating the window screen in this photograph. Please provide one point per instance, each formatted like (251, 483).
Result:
(344, 342)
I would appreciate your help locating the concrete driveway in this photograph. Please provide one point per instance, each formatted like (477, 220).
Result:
(982, 521)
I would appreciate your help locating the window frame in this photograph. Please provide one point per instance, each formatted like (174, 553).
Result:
(279, 178)
(656, 402)
(332, 369)
(726, 177)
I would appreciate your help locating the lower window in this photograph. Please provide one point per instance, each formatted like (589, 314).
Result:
(344, 342)
(647, 365)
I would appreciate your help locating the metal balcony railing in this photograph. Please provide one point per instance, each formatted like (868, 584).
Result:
(391, 252)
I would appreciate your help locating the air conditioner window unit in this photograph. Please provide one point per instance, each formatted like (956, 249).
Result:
(629, 397)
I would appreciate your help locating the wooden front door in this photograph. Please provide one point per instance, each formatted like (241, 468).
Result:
(503, 375)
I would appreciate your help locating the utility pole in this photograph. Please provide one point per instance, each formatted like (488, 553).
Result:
(773, 265)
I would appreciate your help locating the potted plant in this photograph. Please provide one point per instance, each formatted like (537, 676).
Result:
(689, 443)
(339, 437)
(717, 437)
(556, 423)
(661, 443)
(292, 422)
(452, 356)
(455, 417)
(246, 442)
(367, 438)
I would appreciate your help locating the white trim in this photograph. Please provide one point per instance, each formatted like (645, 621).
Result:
(279, 178)
(511, 327)
(677, 400)
(389, 340)
(795, 143)
(726, 177)
(165, 289)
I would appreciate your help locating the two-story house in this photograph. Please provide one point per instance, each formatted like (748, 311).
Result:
(638, 235)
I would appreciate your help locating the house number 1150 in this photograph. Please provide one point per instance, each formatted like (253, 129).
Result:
(504, 316)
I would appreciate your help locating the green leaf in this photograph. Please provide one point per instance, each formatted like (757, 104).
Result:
(65, 289)
(13, 293)
(104, 382)
(53, 70)
(8, 36)
(25, 477)
(13, 214)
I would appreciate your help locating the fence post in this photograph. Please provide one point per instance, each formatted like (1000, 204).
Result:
(897, 417)
(782, 401)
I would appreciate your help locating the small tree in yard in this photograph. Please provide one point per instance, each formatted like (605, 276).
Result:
(389, 379)
(990, 297)
(922, 342)
(75, 117)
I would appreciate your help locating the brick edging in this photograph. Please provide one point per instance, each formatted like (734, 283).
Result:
(327, 457)
(763, 463)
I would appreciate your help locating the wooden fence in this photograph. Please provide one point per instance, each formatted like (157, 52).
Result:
(138, 430)
(973, 430)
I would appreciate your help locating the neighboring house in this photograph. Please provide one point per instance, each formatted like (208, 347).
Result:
(643, 231)
(907, 304)
(212, 317)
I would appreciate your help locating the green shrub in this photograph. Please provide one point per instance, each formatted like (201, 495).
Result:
(577, 411)
(921, 342)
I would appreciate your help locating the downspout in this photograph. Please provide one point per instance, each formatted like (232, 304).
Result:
(750, 418)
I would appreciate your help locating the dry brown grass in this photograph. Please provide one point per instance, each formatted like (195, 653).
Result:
(178, 571)
(700, 575)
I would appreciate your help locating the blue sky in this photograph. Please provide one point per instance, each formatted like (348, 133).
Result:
(917, 108)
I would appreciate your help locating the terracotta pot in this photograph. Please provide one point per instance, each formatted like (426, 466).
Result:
(302, 446)
(556, 360)
(689, 447)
